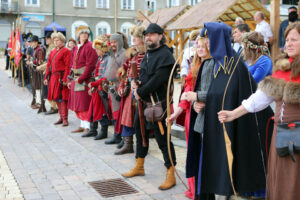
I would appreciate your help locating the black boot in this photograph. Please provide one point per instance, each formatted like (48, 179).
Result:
(102, 133)
(116, 139)
(92, 131)
(121, 144)
(42, 107)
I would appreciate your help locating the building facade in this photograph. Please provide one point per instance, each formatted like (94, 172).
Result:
(102, 16)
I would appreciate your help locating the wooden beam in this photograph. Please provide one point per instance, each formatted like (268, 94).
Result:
(174, 40)
(275, 20)
(247, 11)
(262, 8)
(181, 44)
(186, 39)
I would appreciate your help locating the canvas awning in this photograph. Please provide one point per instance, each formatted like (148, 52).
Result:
(218, 10)
(165, 16)
(57, 26)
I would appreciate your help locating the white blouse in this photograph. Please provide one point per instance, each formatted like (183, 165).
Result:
(257, 101)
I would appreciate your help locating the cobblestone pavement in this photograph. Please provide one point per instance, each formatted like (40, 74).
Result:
(43, 161)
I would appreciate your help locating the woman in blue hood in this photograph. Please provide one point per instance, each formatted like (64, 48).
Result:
(207, 157)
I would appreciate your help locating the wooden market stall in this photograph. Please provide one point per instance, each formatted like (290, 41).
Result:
(164, 17)
(215, 10)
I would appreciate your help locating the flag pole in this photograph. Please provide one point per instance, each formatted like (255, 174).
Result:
(14, 72)
(22, 73)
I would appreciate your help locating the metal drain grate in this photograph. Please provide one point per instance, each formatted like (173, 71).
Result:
(112, 187)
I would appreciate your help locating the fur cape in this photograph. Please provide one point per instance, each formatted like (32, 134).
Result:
(280, 89)
(133, 51)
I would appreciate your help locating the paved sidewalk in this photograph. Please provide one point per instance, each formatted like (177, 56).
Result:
(48, 162)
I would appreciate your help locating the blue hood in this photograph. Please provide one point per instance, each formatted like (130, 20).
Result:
(219, 42)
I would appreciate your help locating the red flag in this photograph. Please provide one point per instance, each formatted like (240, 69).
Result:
(18, 47)
(11, 39)
(12, 55)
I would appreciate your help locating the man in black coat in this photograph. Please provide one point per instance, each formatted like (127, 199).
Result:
(7, 57)
(155, 70)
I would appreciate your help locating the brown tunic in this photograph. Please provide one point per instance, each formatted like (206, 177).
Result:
(283, 179)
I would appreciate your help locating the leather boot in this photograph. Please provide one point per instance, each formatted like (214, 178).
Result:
(64, 109)
(127, 147)
(116, 139)
(35, 106)
(121, 144)
(137, 170)
(33, 102)
(42, 107)
(170, 180)
(102, 133)
(92, 131)
(78, 130)
(60, 121)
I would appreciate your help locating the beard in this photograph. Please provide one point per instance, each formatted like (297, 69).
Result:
(114, 49)
(153, 45)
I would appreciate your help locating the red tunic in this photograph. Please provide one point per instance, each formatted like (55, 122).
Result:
(128, 107)
(85, 56)
(59, 62)
(97, 108)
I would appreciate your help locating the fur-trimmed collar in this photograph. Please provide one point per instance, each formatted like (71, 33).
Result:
(133, 51)
(282, 64)
(279, 89)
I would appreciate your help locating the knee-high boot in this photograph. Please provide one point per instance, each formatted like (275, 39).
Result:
(60, 114)
(64, 109)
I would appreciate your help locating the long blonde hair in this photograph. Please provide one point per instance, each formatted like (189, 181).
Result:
(197, 60)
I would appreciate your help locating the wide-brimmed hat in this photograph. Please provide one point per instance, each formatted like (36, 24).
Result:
(48, 35)
(34, 38)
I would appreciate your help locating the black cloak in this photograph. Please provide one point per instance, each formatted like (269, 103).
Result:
(248, 169)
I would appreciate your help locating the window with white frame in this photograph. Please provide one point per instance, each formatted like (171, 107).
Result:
(171, 3)
(34, 3)
(75, 25)
(102, 3)
(102, 28)
(5, 5)
(80, 3)
(151, 5)
(194, 2)
(127, 4)
(125, 28)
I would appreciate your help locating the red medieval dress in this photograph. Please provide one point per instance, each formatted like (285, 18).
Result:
(79, 101)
